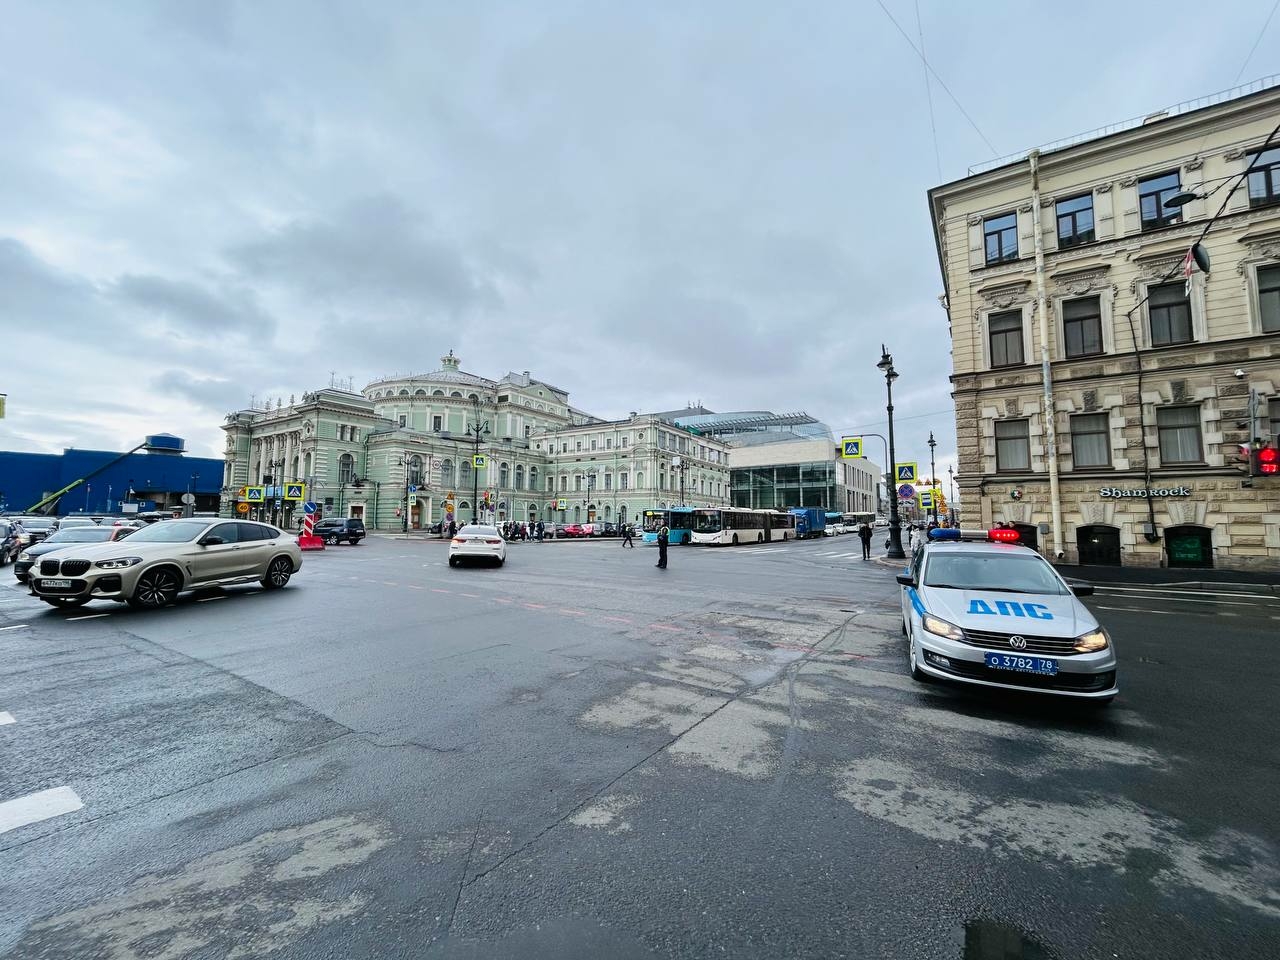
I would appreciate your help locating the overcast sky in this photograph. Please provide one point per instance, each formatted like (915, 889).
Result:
(641, 203)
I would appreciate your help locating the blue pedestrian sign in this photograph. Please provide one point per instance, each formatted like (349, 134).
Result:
(309, 507)
(413, 488)
(906, 472)
(851, 448)
(295, 491)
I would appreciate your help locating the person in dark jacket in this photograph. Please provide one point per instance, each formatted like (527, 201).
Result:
(864, 534)
(627, 534)
(663, 536)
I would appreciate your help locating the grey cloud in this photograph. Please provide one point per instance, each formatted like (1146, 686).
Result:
(35, 295)
(190, 308)
(211, 393)
(377, 249)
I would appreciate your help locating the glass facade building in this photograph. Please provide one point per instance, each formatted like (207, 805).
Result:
(786, 485)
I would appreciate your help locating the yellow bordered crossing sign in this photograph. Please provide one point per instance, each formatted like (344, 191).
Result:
(906, 473)
(851, 448)
(479, 461)
(295, 491)
(255, 494)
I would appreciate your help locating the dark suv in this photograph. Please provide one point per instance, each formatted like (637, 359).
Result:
(336, 529)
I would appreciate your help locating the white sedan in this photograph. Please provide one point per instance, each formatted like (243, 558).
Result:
(477, 542)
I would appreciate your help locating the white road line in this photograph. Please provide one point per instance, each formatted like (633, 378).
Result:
(16, 626)
(1162, 613)
(201, 600)
(10, 600)
(1167, 599)
(88, 616)
(1166, 591)
(37, 806)
(6, 717)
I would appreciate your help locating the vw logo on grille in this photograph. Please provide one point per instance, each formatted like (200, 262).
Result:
(1018, 643)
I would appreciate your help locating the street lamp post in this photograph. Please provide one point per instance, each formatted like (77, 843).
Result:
(933, 478)
(955, 516)
(404, 520)
(895, 551)
(476, 431)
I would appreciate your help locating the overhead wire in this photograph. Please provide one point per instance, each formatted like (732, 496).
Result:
(928, 94)
(942, 83)
(1256, 40)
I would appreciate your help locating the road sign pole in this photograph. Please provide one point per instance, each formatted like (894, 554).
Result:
(307, 540)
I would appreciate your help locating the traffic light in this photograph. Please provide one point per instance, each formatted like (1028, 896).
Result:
(1266, 462)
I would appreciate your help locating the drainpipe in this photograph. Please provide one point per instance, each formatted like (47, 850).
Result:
(1046, 374)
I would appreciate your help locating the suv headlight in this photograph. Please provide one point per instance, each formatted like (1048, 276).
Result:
(941, 628)
(1093, 641)
(118, 563)
(25, 557)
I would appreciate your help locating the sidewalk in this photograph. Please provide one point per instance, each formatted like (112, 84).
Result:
(1188, 577)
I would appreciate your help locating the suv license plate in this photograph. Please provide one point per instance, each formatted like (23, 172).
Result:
(55, 584)
(1022, 664)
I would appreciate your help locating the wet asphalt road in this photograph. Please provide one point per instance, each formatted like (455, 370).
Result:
(581, 756)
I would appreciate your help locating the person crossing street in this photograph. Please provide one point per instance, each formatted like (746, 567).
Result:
(663, 537)
(627, 534)
(864, 534)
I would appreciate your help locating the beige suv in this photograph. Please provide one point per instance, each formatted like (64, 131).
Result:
(153, 565)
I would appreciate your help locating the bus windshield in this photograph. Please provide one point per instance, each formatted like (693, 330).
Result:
(706, 521)
(653, 520)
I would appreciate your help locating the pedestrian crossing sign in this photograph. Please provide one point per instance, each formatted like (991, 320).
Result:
(479, 461)
(255, 494)
(906, 473)
(295, 491)
(851, 448)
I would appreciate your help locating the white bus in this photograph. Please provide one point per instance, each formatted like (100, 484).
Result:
(734, 525)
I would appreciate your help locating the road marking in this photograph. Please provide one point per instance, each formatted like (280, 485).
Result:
(36, 807)
(663, 626)
(438, 590)
(572, 613)
(1166, 591)
(10, 600)
(502, 600)
(16, 626)
(618, 619)
(389, 583)
(1162, 613)
(88, 616)
(6, 717)
(473, 596)
(534, 606)
(414, 586)
(203, 600)
(1169, 599)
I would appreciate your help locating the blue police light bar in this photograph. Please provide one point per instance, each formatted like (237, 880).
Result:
(946, 533)
(997, 535)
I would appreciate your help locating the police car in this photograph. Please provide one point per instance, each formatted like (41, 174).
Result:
(981, 609)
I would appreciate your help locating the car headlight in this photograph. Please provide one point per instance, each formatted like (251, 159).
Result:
(1093, 641)
(941, 628)
(118, 563)
(25, 557)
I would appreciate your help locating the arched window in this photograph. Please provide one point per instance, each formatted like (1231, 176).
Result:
(577, 514)
(419, 392)
(504, 474)
(464, 474)
(472, 397)
(622, 513)
(346, 468)
(456, 394)
(437, 393)
(306, 465)
(640, 481)
(404, 393)
(415, 470)
(519, 476)
(446, 474)
(607, 512)
(464, 505)
(533, 478)
(294, 468)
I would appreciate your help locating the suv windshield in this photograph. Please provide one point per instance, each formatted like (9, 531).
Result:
(1009, 572)
(81, 535)
(170, 531)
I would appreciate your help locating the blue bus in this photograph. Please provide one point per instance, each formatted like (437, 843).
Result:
(678, 520)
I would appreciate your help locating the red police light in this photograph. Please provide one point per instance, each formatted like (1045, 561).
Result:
(1268, 462)
(1004, 535)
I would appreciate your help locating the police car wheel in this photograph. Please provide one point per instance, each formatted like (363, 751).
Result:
(918, 675)
(904, 627)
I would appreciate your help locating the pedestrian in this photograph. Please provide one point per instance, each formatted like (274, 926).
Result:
(542, 529)
(663, 536)
(864, 534)
(627, 534)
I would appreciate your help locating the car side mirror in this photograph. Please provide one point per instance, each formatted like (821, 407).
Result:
(1081, 589)
(906, 579)
(211, 541)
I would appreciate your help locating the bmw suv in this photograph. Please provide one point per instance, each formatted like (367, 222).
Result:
(150, 567)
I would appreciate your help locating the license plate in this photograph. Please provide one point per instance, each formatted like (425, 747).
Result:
(56, 584)
(1022, 664)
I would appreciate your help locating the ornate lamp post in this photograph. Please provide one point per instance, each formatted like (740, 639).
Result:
(895, 551)
(933, 478)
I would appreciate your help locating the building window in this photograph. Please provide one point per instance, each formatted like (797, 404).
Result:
(564, 482)
(1075, 221)
(608, 443)
(464, 473)
(346, 468)
(403, 419)
(640, 480)
(1269, 298)
(622, 481)
(415, 470)
(564, 448)
(1013, 445)
(533, 478)
(608, 481)
(551, 484)
(1170, 314)
(519, 476)
(342, 433)
(1179, 429)
(1152, 193)
(1090, 440)
(504, 474)
(1000, 237)
(437, 423)
(577, 481)
(1005, 332)
(1082, 326)
(528, 430)
(1264, 178)
(446, 474)
(624, 443)
(578, 446)
(593, 443)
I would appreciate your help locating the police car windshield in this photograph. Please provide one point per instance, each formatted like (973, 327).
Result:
(1002, 572)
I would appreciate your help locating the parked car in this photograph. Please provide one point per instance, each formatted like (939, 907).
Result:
(150, 567)
(570, 530)
(65, 539)
(610, 529)
(336, 529)
(10, 541)
(477, 541)
(66, 523)
(35, 529)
